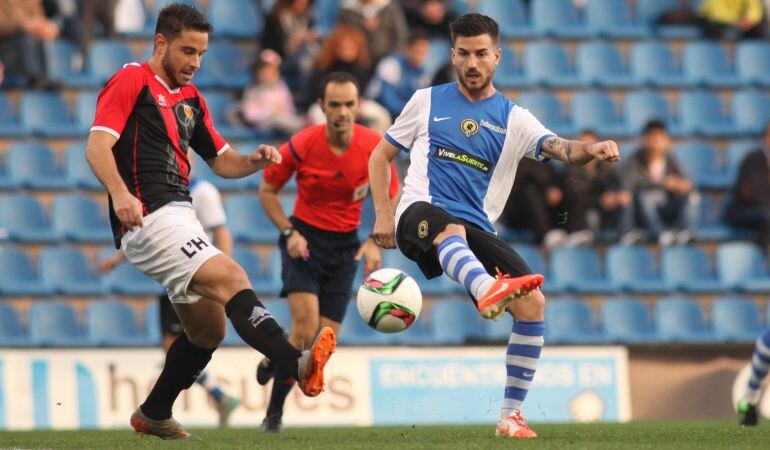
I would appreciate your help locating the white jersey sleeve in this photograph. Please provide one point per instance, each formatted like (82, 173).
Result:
(407, 126)
(525, 134)
(207, 202)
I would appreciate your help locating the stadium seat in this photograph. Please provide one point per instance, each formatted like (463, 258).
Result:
(220, 106)
(752, 63)
(152, 323)
(236, 18)
(577, 269)
(12, 334)
(202, 171)
(68, 272)
(85, 110)
(279, 309)
(225, 66)
(680, 319)
(78, 218)
(711, 225)
(231, 336)
(688, 268)
(439, 286)
(110, 323)
(597, 111)
(600, 64)
(9, 122)
(438, 54)
(706, 64)
(557, 18)
(736, 319)
(367, 218)
(46, 114)
(247, 220)
(355, 332)
(511, 16)
(633, 269)
(452, 322)
(265, 277)
(741, 265)
(535, 260)
(751, 111)
(702, 114)
(32, 165)
(498, 331)
(508, 74)
(54, 324)
(644, 106)
(736, 153)
(549, 110)
(649, 11)
(613, 19)
(107, 57)
(570, 321)
(654, 64)
(326, 12)
(22, 219)
(77, 171)
(548, 64)
(125, 279)
(627, 320)
(18, 276)
(700, 162)
(64, 64)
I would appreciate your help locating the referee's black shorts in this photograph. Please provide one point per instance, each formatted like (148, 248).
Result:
(169, 321)
(328, 273)
(422, 222)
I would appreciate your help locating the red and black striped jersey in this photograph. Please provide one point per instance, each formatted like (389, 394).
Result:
(154, 126)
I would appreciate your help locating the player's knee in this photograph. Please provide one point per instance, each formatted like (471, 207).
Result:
(235, 280)
(452, 229)
(530, 308)
(209, 337)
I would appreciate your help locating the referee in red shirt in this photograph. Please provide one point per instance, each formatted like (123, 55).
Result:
(319, 243)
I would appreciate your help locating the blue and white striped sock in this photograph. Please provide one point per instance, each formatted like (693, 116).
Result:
(524, 348)
(211, 384)
(760, 364)
(461, 265)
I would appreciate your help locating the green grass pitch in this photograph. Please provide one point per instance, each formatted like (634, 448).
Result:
(662, 435)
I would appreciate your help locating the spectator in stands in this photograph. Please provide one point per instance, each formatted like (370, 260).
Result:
(398, 76)
(99, 15)
(445, 74)
(267, 103)
(665, 199)
(595, 199)
(288, 32)
(716, 18)
(23, 29)
(431, 16)
(382, 21)
(749, 207)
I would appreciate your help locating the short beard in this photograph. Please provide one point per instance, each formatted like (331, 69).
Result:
(484, 83)
(165, 63)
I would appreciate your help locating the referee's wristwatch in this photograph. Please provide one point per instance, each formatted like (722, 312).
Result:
(286, 232)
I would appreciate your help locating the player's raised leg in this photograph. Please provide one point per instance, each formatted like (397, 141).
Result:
(760, 365)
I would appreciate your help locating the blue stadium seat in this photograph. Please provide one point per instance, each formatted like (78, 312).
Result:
(85, 110)
(548, 64)
(76, 168)
(508, 74)
(597, 111)
(736, 319)
(125, 279)
(438, 54)
(752, 63)
(9, 122)
(78, 218)
(600, 64)
(107, 57)
(46, 114)
(613, 19)
(680, 319)
(279, 309)
(711, 225)
(499, 330)
(570, 321)
(549, 110)
(557, 18)
(577, 269)
(367, 218)
(64, 64)
(231, 336)
(265, 277)
(741, 265)
(32, 165)
(54, 324)
(649, 11)
(248, 221)
(751, 111)
(440, 286)
(634, 269)
(225, 66)
(736, 153)
(701, 163)
(627, 320)
(688, 268)
(110, 323)
(453, 322)
(643, 106)
(534, 259)
(220, 105)
(203, 171)
(236, 18)
(23, 220)
(152, 323)
(511, 16)
(12, 334)
(68, 272)
(326, 12)
(706, 64)
(355, 332)
(702, 114)
(654, 64)
(18, 276)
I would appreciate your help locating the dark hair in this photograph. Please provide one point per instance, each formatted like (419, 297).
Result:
(653, 125)
(338, 78)
(590, 132)
(474, 24)
(176, 17)
(417, 35)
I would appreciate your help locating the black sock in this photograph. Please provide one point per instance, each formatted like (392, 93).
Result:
(257, 327)
(184, 362)
(283, 382)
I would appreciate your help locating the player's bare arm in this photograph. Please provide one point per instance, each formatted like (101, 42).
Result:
(578, 152)
(384, 233)
(296, 244)
(127, 208)
(232, 164)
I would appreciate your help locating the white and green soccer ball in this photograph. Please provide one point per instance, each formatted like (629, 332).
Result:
(389, 300)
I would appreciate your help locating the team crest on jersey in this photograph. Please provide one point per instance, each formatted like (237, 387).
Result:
(188, 112)
(162, 100)
(422, 229)
(469, 127)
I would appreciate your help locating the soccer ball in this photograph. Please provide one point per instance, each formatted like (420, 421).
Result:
(389, 300)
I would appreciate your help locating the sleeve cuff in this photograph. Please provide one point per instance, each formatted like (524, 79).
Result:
(106, 130)
(223, 149)
(539, 147)
(390, 139)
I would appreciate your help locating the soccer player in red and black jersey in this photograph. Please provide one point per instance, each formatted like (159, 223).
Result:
(319, 243)
(146, 118)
